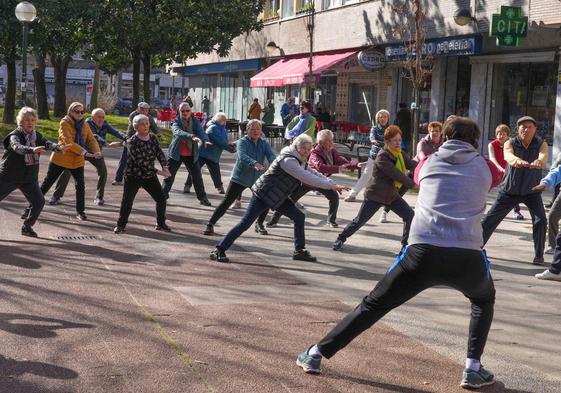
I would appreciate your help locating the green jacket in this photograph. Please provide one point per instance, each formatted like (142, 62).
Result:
(310, 127)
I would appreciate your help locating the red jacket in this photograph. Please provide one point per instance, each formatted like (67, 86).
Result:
(318, 161)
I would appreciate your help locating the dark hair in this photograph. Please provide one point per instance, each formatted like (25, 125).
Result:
(463, 129)
(402, 105)
(391, 132)
(307, 104)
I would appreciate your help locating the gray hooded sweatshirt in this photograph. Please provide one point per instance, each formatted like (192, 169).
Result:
(454, 183)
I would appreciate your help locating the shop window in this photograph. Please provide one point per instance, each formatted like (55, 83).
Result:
(228, 94)
(210, 87)
(524, 89)
(463, 87)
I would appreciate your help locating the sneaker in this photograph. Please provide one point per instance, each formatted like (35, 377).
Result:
(99, 201)
(310, 363)
(545, 275)
(272, 224)
(219, 256)
(236, 205)
(383, 217)
(337, 245)
(117, 183)
(538, 261)
(28, 231)
(548, 205)
(82, 216)
(332, 224)
(205, 202)
(303, 255)
(119, 229)
(299, 206)
(187, 189)
(54, 200)
(549, 251)
(163, 227)
(476, 379)
(209, 230)
(350, 198)
(518, 216)
(259, 228)
(220, 190)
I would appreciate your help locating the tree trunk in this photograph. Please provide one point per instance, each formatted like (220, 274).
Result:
(40, 86)
(10, 104)
(146, 62)
(135, 79)
(60, 65)
(95, 90)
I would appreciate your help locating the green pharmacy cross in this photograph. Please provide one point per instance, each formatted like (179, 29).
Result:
(509, 26)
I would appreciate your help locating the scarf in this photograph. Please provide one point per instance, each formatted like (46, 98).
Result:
(79, 138)
(144, 138)
(31, 141)
(399, 163)
(300, 127)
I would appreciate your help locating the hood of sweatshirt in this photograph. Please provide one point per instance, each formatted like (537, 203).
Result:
(291, 150)
(456, 152)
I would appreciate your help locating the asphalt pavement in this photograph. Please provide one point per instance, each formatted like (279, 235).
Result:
(85, 310)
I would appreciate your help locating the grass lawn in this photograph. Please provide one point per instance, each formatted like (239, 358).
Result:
(49, 128)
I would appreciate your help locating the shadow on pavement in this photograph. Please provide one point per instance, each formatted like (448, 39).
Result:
(13, 368)
(43, 328)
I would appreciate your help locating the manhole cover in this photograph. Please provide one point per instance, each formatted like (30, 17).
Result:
(76, 237)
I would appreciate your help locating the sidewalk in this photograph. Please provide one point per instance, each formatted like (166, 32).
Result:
(84, 310)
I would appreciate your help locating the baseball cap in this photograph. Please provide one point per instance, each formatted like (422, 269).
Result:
(526, 118)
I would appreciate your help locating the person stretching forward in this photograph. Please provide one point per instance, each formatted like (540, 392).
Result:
(444, 249)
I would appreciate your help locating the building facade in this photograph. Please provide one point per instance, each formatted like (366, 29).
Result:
(472, 75)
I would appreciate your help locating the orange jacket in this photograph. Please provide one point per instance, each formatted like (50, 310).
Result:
(73, 158)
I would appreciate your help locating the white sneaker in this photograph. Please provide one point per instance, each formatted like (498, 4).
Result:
(350, 198)
(236, 205)
(299, 206)
(547, 275)
(549, 251)
(383, 217)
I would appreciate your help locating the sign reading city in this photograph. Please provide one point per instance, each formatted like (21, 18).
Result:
(509, 26)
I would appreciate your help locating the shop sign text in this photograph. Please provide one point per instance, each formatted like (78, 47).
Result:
(372, 59)
(509, 26)
(469, 45)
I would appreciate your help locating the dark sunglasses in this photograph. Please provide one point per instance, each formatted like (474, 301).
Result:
(186, 110)
(79, 112)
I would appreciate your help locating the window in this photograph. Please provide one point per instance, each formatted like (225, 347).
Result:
(287, 8)
(524, 89)
(271, 9)
(336, 3)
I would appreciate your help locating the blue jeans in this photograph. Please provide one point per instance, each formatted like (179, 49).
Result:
(254, 209)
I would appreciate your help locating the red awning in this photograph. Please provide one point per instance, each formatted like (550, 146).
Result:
(293, 70)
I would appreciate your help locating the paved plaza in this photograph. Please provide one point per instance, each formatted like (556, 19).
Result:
(85, 310)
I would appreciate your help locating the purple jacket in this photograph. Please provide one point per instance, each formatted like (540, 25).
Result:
(318, 160)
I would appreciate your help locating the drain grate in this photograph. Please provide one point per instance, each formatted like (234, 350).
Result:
(76, 237)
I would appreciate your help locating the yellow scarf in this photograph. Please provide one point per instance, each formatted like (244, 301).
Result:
(399, 163)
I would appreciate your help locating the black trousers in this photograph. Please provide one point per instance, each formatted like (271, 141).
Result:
(419, 267)
(504, 204)
(194, 170)
(130, 189)
(331, 195)
(233, 192)
(369, 208)
(121, 166)
(213, 169)
(101, 168)
(53, 173)
(31, 192)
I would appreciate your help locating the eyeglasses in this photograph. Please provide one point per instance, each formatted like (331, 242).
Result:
(186, 110)
(78, 111)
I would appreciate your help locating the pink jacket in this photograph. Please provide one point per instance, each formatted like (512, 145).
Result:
(318, 161)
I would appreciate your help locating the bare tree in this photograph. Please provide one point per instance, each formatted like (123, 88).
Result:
(411, 30)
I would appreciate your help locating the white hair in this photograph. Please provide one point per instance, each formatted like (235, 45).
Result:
(324, 134)
(143, 105)
(301, 140)
(98, 110)
(23, 113)
(139, 118)
(381, 112)
(219, 116)
(184, 105)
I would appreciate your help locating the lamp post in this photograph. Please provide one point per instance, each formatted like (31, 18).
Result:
(26, 13)
(310, 20)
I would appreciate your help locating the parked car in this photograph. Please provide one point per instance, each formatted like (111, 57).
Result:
(158, 103)
(123, 107)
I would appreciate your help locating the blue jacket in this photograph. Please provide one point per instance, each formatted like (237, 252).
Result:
(218, 135)
(100, 132)
(250, 153)
(553, 178)
(179, 135)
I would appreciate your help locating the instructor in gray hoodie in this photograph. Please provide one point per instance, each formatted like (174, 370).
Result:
(271, 191)
(444, 249)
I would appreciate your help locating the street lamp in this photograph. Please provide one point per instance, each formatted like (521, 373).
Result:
(463, 16)
(26, 13)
